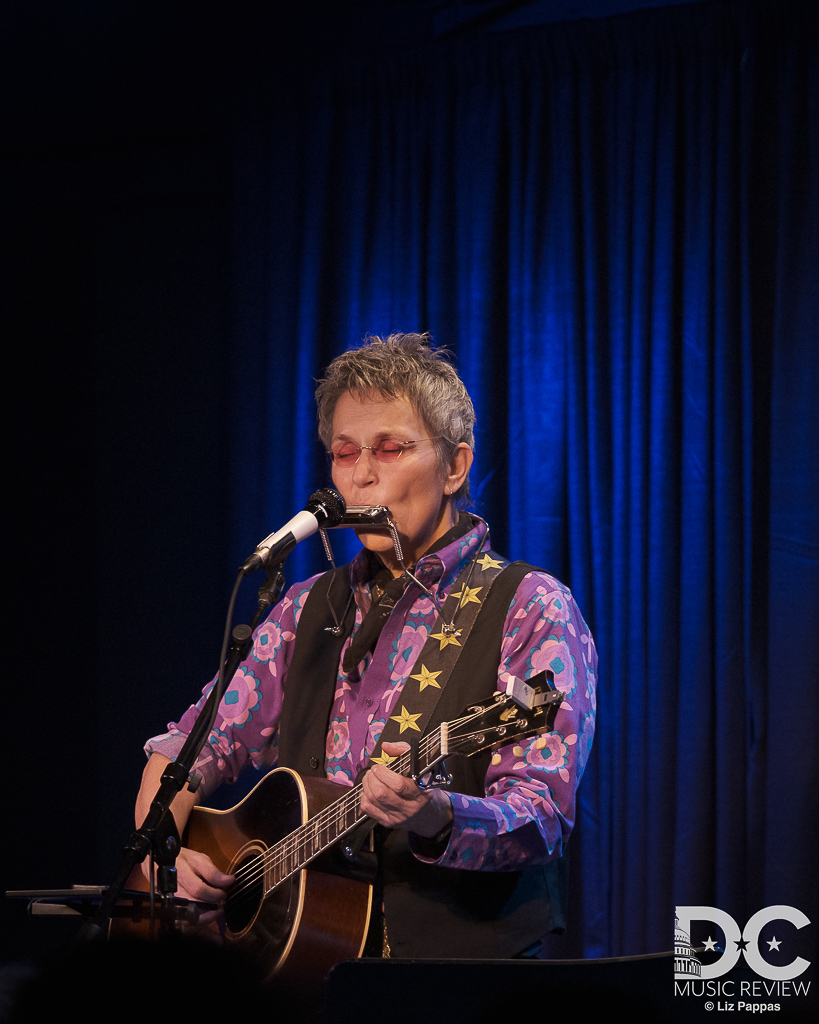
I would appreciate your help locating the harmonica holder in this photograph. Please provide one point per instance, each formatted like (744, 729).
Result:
(373, 517)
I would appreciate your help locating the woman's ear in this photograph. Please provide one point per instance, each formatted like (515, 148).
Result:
(459, 468)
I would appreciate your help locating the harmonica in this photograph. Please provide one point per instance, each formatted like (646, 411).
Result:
(365, 515)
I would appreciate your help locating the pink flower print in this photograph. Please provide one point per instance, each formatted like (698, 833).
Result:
(422, 607)
(554, 654)
(222, 748)
(406, 650)
(509, 644)
(467, 543)
(268, 641)
(338, 740)
(343, 689)
(240, 698)
(298, 604)
(474, 849)
(519, 805)
(340, 777)
(555, 604)
(373, 736)
(173, 730)
(549, 753)
(266, 757)
(523, 798)
(393, 694)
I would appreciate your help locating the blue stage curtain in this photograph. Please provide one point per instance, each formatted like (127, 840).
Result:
(613, 225)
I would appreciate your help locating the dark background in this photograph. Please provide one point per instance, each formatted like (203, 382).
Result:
(153, 335)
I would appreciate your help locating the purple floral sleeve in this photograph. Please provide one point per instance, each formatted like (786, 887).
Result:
(529, 808)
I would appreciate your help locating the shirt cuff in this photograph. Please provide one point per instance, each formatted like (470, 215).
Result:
(169, 745)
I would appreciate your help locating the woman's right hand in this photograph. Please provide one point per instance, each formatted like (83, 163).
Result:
(197, 877)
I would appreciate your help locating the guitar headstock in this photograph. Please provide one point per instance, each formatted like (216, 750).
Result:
(525, 709)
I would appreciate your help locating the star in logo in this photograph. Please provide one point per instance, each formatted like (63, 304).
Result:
(406, 720)
(427, 678)
(773, 943)
(384, 758)
(446, 639)
(710, 944)
(741, 944)
(485, 562)
(467, 594)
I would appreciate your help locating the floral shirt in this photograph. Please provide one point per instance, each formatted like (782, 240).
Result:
(528, 811)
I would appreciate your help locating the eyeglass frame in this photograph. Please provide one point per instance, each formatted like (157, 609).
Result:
(375, 447)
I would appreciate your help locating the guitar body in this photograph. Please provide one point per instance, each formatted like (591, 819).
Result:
(310, 921)
(296, 919)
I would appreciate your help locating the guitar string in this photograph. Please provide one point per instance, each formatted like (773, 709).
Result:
(301, 837)
(328, 817)
(302, 840)
(293, 856)
(298, 841)
(338, 813)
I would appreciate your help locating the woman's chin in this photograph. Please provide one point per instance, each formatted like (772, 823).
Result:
(380, 542)
(375, 540)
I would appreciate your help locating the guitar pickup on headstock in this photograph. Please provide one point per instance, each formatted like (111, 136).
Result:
(531, 695)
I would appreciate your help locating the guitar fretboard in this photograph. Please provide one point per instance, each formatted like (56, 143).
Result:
(468, 735)
(330, 825)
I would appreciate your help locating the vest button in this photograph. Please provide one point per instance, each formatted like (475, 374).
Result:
(314, 762)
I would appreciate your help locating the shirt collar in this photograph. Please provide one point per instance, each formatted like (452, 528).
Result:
(445, 558)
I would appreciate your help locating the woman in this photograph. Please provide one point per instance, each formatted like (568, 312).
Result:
(475, 871)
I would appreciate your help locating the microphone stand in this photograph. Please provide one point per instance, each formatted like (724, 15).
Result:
(158, 834)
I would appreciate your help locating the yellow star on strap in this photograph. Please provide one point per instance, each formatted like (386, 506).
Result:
(384, 759)
(427, 678)
(406, 720)
(445, 639)
(488, 563)
(467, 594)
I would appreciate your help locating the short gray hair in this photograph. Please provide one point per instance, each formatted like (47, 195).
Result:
(404, 366)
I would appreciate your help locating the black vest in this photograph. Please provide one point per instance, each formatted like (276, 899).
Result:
(430, 911)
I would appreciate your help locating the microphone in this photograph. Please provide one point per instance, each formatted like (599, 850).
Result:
(325, 509)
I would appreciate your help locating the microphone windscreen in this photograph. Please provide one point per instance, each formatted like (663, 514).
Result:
(327, 506)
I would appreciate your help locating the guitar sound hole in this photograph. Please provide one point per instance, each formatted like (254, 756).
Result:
(244, 899)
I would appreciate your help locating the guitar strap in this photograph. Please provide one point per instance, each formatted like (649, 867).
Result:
(447, 639)
(314, 666)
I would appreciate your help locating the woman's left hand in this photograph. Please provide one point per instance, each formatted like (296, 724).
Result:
(397, 802)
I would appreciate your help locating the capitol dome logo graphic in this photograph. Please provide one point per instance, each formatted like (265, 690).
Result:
(686, 964)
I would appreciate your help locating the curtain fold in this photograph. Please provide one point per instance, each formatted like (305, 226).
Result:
(613, 225)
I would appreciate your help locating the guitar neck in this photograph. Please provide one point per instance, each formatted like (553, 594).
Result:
(330, 825)
(483, 727)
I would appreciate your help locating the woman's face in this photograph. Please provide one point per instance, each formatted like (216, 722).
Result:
(413, 487)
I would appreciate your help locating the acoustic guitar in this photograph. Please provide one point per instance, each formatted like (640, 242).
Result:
(291, 907)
